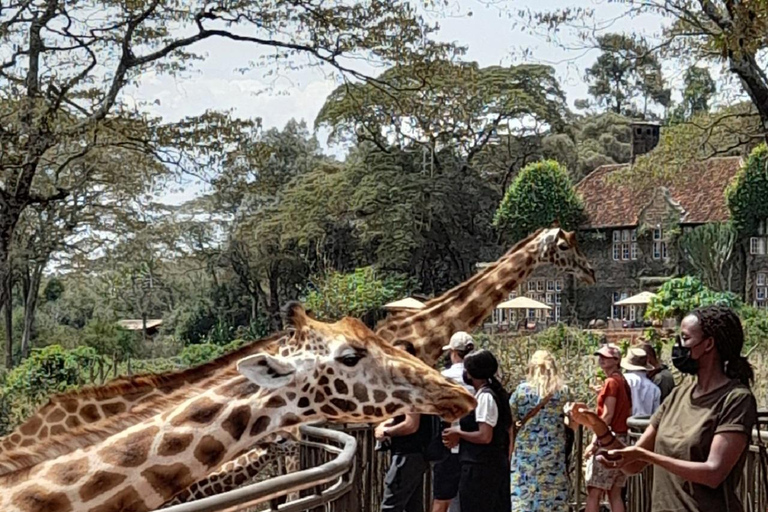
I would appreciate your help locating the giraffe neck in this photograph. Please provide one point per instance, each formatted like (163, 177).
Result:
(145, 465)
(464, 307)
(92, 406)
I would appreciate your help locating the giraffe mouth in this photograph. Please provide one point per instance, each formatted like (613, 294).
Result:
(453, 408)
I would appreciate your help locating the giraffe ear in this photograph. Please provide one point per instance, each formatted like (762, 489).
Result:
(294, 316)
(267, 371)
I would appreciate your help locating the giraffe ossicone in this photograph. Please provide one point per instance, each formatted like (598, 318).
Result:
(338, 372)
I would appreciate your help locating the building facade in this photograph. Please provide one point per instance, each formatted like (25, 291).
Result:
(630, 234)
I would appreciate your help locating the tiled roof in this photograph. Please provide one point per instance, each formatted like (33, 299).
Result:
(698, 187)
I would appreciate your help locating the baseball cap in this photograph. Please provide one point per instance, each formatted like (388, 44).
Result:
(459, 341)
(609, 350)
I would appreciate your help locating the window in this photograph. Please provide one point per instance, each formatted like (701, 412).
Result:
(625, 251)
(531, 286)
(757, 245)
(531, 313)
(557, 298)
(634, 251)
(616, 252)
(761, 227)
(550, 286)
(558, 285)
(540, 285)
(617, 236)
(632, 313)
(619, 312)
(664, 250)
(625, 235)
(657, 250)
(558, 313)
(634, 235)
(760, 293)
(550, 298)
(760, 279)
(657, 233)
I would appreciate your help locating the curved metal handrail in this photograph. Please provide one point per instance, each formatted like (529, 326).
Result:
(341, 469)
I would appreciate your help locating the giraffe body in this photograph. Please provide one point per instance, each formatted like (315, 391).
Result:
(337, 372)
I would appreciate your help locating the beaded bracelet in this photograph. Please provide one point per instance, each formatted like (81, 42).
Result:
(609, 433)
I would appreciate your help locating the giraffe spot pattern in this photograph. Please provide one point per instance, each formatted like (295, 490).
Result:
(328, 410)
(202, 411)
(57, 429)
(90, 413)
(114, 408)
(360, 392)
(260, 425)
(32, 426)
(130, 451)
(402, 395)
(323, 381)
(391, 408)
(341, 387)
(101, 482)
(290, 419)
(379, 395)
(70, 405)
(237, 422)
(275, 402)
(67, 473)
(303, 402)
(72, 422)
(209, 451)
(319, 397)
(173, 444)
(56, 416)
(344, 405)
(127, 500)
(36, 499)
(169, 480)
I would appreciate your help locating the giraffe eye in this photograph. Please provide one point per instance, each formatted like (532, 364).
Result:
(350, 359)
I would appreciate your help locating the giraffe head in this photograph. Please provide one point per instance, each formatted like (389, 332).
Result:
(560, 248)
(344, 372)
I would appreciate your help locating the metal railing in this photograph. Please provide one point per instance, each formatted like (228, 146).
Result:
(325, 484)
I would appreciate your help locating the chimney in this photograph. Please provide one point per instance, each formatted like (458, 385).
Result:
(645, 137)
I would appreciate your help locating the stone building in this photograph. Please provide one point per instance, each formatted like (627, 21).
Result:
(630, 236)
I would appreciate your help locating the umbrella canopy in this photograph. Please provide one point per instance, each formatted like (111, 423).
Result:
(522, 303)
(640, 299)
(406, 303)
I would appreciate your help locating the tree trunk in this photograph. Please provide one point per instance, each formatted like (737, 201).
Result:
(30, 308)
(8, 219)
(9, 320)
(755, 83)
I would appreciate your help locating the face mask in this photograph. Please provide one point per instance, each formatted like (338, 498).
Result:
(682, 359)
(466, 379)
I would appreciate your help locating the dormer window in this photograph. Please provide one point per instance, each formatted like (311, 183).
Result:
(659, 244)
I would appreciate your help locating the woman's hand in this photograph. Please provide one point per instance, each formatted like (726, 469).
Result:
(590, 451)
(451, 437)
(618, 459)
(581, 414)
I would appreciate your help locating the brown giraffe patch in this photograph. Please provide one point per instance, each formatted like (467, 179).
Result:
(100, 483)
(237, 422)
(360, 392)
(341, 386)
(90, 413)
(15, 438)
(344, 405)
(260, 425)
(308, 412)
(392, 407)
(67, 473)
(43, 432)
(303, 402)
(173, 444)
(57, 429)
(275, 402)
(114, 409)
(402, 395)
(328, 410)
(291, 395)
(127, 500)
(368, 410)
(70, 405)
(319, 397)
(323, 381)
(32, 426)
(72, 422)
(289, 420)
(167, 481)
(56, 416)
(209, 451)
(202, 411)
(130, 451)
(379, 396)
(37, 499)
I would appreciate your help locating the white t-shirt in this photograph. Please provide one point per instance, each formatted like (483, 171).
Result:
(645, 394)
(455, 373)
(487, 411)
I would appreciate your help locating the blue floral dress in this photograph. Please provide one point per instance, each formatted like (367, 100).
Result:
(538, 472)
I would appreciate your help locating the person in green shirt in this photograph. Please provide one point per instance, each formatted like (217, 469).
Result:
(698, 439)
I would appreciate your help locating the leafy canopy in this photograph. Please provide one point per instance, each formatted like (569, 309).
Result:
(746, 195)
(679, 296)
(541, 194)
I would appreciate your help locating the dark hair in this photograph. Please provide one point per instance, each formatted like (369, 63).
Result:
(405, 345)
(723, 325)
(649, 349)
(482, 365)
(463, 353)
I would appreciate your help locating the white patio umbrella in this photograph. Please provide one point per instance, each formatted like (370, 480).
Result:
(406, 303)
(522, 303)
(641, 299)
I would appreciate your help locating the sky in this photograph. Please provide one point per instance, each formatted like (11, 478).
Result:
(489, 34)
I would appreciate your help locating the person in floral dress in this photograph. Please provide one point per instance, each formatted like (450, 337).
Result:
(538, 465)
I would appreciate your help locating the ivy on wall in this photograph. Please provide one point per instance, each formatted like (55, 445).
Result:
(746, 195)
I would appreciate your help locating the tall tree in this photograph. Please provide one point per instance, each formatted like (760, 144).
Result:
(708, 249)
(698, 90)
(626, 69)
(63, 70)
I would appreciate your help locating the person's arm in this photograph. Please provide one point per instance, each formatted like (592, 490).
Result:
(407, 427)
(725, 451)
(483, 435)
(609, 409)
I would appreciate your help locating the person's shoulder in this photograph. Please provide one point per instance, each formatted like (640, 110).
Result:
(740, 393)
(684, 387)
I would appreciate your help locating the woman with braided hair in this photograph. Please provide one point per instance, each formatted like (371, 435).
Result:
(698, 439)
